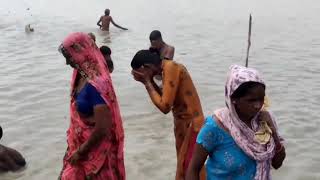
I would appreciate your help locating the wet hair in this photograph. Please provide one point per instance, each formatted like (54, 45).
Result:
(143, 57)
(107, 12)
(244, 88)
(154, 50)
(110, 64)
(1, 132)
(105, 50)
(155, 35)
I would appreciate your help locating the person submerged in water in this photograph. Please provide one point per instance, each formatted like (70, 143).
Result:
(157, 44)
(10, 159)
(178, 95)
(106, 52)
(28, 28)
(105, 20)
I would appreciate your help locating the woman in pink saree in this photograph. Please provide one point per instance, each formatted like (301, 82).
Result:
(95, 137)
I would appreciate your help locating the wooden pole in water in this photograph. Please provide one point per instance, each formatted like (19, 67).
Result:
(249, 40)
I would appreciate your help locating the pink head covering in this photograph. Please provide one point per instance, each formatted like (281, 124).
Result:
(89, 62)
(91, 65)
(240, 132)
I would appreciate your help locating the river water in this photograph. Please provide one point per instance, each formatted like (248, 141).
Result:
(208, 35)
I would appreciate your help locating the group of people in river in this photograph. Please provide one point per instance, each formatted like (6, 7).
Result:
(240, 141)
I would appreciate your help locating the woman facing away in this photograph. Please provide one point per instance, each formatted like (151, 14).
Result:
(242, 139)
(95, 137)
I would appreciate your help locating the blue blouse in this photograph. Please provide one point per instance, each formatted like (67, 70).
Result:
(226, 160)
(87, 98)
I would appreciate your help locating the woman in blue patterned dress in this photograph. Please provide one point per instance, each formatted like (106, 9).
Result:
(242, 139)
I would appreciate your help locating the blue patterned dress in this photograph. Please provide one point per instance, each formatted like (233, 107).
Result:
(226, 160)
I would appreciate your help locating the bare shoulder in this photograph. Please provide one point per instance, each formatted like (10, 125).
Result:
(106, 17)
(169, 47)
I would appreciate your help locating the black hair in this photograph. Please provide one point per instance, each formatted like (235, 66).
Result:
(64, 51)
(143, 57)
(154, 50)
(244, 88)
(155, 35)
(1, 132)
(110, 64)
(105, 50)
(107, 12)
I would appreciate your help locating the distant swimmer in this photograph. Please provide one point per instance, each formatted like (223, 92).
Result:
(157, 44)
(10, 159)
(28, 28)
(105, 20)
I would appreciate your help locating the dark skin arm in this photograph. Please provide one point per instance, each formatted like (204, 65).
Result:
(280, 154)
(102, 118)
(116, 25)
(164, 101)
(99, 23)
(198, 158)
(156, 87)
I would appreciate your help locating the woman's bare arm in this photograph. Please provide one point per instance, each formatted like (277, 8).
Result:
(103, 122)
(198, 158)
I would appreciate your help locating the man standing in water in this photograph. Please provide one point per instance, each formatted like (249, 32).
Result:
(178, 95)
(166, 51)
(105, 20)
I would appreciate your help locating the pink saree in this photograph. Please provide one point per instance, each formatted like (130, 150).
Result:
(105, 161)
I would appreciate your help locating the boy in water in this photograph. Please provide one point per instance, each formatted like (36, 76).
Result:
(157, 44)
(106, 52)
(104, 21)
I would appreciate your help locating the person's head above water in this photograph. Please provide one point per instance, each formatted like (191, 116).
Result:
(106, 52)
(245, 91)
(82, 54)
(147, 59)
(156, 39)
(155, 35)
(107, 12)
(248, 99)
